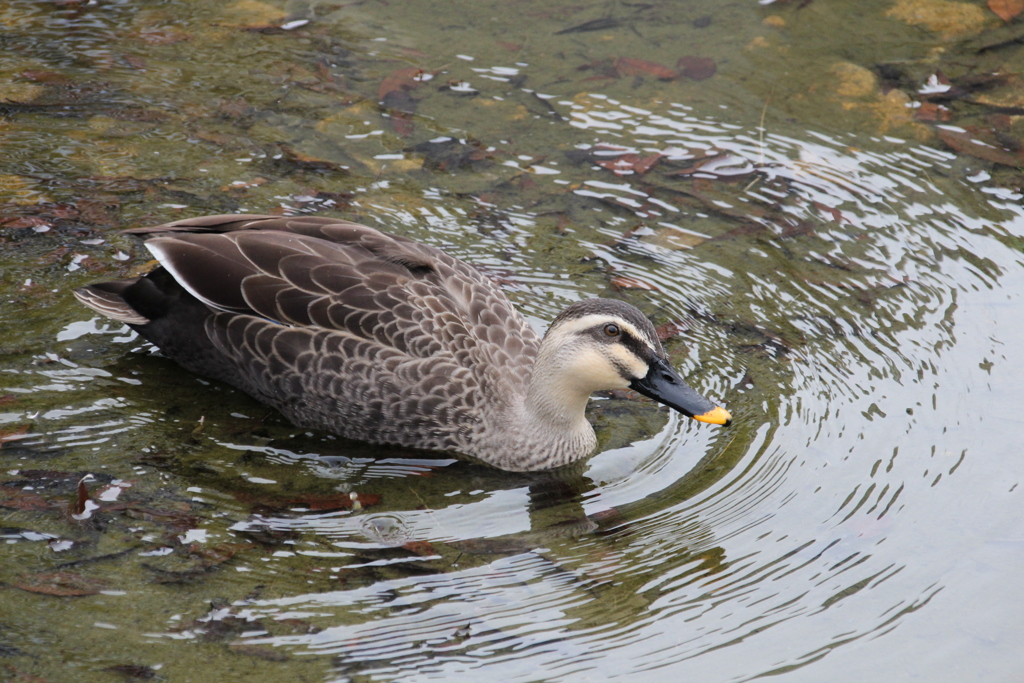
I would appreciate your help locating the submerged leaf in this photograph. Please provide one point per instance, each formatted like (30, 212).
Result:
(15, 433)
(303, 160)
(1006, 9)
(621, 282)
(696, 68)
(668, 330)
(50, 77)
(628, 164)
(80, 505)
(180, 521)
(929, 111)
(628, 66)
(219, 554)
(16, 499)
(61, 584)
(964, 144)
(402, 80)
(420, 548)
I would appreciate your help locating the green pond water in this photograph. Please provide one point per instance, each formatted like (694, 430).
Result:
(818, 203)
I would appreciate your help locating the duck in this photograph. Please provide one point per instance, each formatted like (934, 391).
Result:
(375, 337)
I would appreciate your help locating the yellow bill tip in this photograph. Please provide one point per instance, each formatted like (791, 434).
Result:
(715, 416)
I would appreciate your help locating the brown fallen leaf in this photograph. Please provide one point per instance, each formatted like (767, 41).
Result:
(422, 548)
(835, 213)
(405, 79)
(999, 123)
(696, 68)
(628, 164)
(621, 282)
(215, 138)
(99, 210)
(666, 331)
(54, 256)
(609, 518)
(402, 124)
(40, 76)
(179, 521)
(307, 161)
(1006, 9)
(929, 111)
(13, 434)
(16, 499)
(218, 554)
(61, 584)
(964, 144)
(78, 506)
(19, 223)
(629, 66)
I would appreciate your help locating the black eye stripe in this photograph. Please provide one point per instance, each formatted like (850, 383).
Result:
(640, 349)
(625, 337)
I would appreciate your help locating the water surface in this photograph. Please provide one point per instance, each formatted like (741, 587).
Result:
(821, 254)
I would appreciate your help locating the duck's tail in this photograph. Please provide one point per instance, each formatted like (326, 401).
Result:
(107, 298)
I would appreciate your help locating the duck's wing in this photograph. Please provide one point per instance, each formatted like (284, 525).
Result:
(344, 327)
(337, 275)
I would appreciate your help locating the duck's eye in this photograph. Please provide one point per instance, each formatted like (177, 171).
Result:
(611, 329)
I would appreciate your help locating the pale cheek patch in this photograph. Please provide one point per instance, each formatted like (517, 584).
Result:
(594, 371)
(627, 359)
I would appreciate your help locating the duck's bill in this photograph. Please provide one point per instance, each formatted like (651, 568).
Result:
(664, 385)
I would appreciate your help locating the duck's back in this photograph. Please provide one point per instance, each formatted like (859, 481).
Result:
(339, 326)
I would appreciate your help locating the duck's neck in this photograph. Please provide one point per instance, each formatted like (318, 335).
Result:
(557, 398)
(552, 429)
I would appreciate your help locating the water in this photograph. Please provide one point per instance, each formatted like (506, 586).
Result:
(846, 284)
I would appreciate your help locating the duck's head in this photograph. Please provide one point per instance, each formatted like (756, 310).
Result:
(607, 344)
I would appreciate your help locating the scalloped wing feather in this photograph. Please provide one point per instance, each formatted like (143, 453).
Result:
(316, 310)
